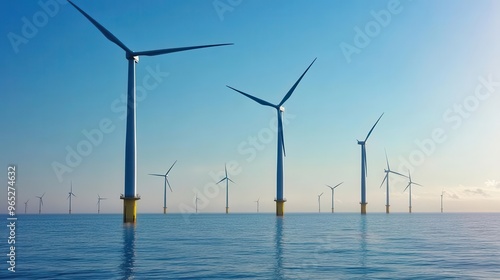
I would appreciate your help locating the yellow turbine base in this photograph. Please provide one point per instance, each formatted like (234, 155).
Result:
(129, 209)
(409, 208)
(280, 207)
(387, 209)
(227, 210)
(164, 210)
(363, 208)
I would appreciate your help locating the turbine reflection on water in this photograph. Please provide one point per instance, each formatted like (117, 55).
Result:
(127, 265)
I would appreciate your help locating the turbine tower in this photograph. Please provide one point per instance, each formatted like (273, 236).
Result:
(40, 203)
(227, 188)
(364, 168)
(280, 200)
(196, 202)
(333, 191)
(99, 198)
(386, 179)
(70, 194)
(26, 206)
(410, 182)
(165, 187)
(257, 201)
(130, 196)
(442, 193)
(319, 202)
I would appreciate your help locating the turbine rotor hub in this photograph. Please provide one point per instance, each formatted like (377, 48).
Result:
(282, 109)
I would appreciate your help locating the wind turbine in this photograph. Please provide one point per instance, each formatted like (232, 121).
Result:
(386, 179)
(40, 203)
(333, 191)
(99, 198)
(196, 202)
(227, 188)
(257, 201)
(319, 202)
(442, 193)
(69, 196)
(364, 168)
(280, 201)
(165, 187)
(26, 206)
(410, 182)
(130, 196)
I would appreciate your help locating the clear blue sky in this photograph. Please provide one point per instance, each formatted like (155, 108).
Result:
(427, 67)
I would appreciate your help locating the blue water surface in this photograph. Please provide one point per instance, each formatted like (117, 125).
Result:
(256, 246)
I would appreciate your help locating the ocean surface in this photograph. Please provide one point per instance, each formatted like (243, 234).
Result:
(255, 246)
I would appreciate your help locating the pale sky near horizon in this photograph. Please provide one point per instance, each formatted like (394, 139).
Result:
(432, 68)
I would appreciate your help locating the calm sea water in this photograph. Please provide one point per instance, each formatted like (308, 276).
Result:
(256, 246)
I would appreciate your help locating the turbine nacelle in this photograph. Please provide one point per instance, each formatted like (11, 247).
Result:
(360, 142)
(281, 109)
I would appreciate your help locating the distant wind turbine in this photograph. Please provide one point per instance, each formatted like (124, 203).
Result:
(410, 182)
(99, 198)
(40, 203)
(70, 194)
(319, 202)
(364, 168)
(26, 206)
(227, 188)
(280, 200)
(442, 193)
(386, 179)
(196, 202)
(257, 201)
(165, 187)
(130, 196)
(333, 191)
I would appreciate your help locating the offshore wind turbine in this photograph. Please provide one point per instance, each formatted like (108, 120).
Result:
(99, 198)
(26, 206)
(196, 202)
(227, 188)
(386, 179)
(364, 168)
(69, 196)
(130, 196)
(319, 202)
(165, 186)
(333, 191)
(280, 200)
(257, 201)
(40, 203)
(410, 182)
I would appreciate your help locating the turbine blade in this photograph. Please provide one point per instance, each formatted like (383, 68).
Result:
(416, 184)
(168, 185)
(387, 160)
(172, 50)
(221, 180)
(385, 178)
(338, 185)
(231, 181)
(409, 184)
(103, 30)
(373, 127)
(170, 168)
(225, 169)
(160, 175)
(330, 187)
(258, 100)
(289, 93)
(398, 173)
